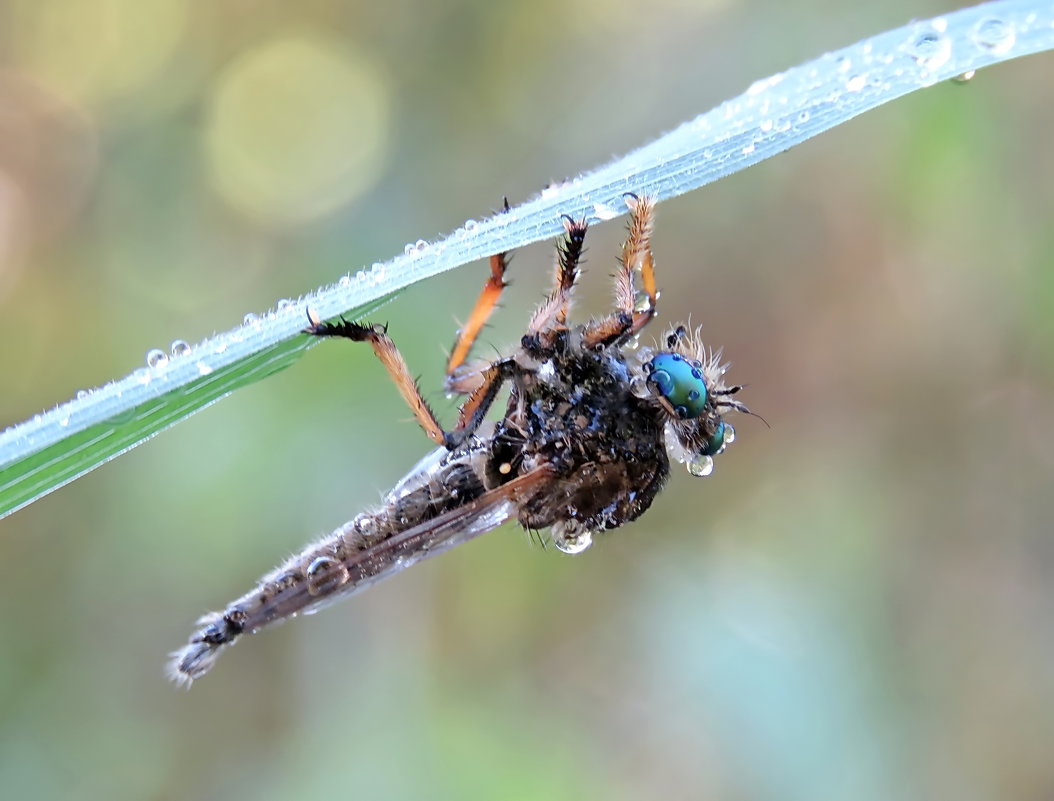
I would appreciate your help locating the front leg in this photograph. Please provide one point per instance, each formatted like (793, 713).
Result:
(629, 318)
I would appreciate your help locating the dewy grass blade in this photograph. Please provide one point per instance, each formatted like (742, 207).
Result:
(774, 114)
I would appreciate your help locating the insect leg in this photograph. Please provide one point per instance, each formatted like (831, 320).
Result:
(475, 407)
(466, 337)
(394, 363)
(472, 411)
(552, 314)
(636, 255)
(628, 318)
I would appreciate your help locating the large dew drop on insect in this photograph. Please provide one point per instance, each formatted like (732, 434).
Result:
(701, 465)
(324, 575)
(571, 539)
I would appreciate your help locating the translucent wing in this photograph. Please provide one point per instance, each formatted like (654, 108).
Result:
(407, 548)
(316, 577)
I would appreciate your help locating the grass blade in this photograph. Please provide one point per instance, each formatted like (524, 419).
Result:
(55, 447)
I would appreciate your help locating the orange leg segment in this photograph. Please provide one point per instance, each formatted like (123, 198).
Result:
(627, 318)
(467, 335)
(472, 412)
(481, 312)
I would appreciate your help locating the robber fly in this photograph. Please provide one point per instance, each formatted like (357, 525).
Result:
(584, 444)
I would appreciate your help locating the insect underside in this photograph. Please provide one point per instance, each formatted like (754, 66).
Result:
(584, 445)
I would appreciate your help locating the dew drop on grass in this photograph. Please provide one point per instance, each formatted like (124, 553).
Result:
(930, 49)
(155, 357)
(856, 83)
(994, 35)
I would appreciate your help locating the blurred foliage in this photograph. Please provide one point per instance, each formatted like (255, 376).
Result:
(855, 605)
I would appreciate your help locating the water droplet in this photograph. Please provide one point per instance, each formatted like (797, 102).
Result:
(282, 305)
(324, 575)
(408, 249)
(179, 347)
(142, 375)
(203, 369)
(83, 393)
(155, 357)
(803, 117)
(366, 526)
(345, 281)
(748, 149)
(843, 64)
(251, 319)
(965, 77)
(604, 212)
(470, 225)
(730, 436)
(764, 84)
(420, 246)
(632, 344)
(930, 49)
(568, 537)
(642, 302)
(65, 421)
(995, 35)
(856, 83)
(766, 125)
(700, 466)
(221, 347)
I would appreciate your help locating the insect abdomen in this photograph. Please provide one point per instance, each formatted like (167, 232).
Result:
(336, 566)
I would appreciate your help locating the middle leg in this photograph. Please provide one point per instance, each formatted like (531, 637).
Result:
(461, 378)
(551, 316)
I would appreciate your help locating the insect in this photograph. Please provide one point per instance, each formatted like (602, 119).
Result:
(583, 446)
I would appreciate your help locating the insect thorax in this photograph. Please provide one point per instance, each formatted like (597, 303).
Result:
(574, 413)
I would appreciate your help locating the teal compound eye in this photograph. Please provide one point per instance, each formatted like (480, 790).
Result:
(680, 382)
(716, 442)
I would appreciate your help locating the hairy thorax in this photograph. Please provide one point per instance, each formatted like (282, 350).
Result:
(575, 413)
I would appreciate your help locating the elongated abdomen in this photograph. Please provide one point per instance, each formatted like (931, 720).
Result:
(425, 514)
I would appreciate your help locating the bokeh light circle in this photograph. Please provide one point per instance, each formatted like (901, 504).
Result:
(297, 128)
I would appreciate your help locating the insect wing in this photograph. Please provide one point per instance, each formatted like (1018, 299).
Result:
(445, 531)
(427, 539)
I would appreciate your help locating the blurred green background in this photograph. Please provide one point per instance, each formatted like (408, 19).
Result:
(856, 605)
